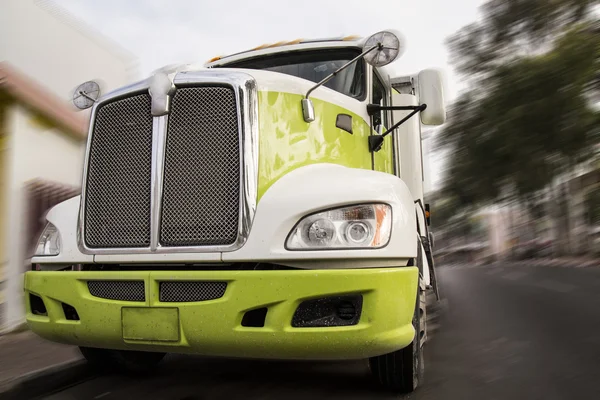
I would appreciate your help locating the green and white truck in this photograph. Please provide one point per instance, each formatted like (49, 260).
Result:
(268, 204)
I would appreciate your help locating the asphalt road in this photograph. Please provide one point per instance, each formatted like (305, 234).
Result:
(505, 332)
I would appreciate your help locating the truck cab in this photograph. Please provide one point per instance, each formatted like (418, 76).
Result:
(268, 204)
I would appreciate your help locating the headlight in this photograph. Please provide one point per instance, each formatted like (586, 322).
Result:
(49, 242)
(362, 226)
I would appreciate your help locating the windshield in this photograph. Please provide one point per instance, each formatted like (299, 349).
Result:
(314, 66)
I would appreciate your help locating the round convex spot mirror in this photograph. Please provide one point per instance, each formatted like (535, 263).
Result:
(392, 46)
(86, 95)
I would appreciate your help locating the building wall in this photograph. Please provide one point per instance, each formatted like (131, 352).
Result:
(41, 41)
(40, 150)
(37, 150)
(55, 50)
(3, 204)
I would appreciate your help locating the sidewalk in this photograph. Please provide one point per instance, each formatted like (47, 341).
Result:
(24, 354)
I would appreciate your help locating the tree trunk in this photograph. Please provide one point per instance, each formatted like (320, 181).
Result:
(565, 220)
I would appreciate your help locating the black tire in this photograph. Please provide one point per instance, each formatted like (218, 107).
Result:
(403, 370)
(124, 361)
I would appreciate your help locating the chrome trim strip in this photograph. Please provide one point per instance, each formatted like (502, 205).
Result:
(159, 138)
(246, 94)
(250, 160)
(153, 180)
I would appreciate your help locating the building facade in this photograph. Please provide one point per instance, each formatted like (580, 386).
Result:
(43, 136)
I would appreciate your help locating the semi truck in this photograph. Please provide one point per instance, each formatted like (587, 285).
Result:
(267, 204)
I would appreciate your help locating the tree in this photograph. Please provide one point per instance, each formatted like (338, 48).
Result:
(532, 69)
(510, 29)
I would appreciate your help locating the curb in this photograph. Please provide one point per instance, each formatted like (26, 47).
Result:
(554, 263)
(46, 380)
(549, 263)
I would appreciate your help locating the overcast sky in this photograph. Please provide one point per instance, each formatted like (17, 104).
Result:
(162, 32)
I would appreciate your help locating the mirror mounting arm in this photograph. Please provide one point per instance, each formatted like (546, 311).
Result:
(84, 94)
(373, 109)
(376, 141)
(308, 110)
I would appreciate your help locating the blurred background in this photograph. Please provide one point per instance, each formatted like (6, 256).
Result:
(521, 177)
(513, 175)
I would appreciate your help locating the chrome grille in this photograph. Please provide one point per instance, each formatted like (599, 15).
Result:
(118, 290)
(191, 291)
(201, 187)
(117, 198)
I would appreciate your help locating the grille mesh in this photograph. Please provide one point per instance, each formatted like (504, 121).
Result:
(117, 203)
(118, 290)
(191, 291)
(201, 190)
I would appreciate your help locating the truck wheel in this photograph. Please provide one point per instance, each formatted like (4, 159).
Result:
(403, 370)
(125, 361)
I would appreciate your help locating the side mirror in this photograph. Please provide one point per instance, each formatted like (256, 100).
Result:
(86, 95)
(388, 46)
(431, 92)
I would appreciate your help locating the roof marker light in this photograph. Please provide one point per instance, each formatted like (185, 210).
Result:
(277, 44)
(262, 46)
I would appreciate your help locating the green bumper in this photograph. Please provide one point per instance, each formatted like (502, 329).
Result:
(214, 327)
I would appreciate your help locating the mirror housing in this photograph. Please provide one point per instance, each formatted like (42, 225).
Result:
(431, 92)
(86, 94)
(390, 46)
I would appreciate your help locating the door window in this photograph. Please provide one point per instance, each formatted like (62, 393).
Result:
(379, 97)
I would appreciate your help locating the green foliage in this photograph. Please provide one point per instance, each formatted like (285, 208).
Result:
(533, 67)
(444, 210)
(511, 28)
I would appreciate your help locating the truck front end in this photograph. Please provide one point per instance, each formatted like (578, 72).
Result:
(215, 220)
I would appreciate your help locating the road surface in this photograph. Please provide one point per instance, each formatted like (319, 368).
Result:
(506, 332)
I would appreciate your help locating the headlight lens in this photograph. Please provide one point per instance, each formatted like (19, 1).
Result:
(361, 226)
(321, 232)
(49, 242)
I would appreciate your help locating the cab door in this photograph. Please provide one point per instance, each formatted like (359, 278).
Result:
(383, 160)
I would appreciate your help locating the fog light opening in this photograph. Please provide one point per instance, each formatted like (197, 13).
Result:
(70, 312)
(37, 305)
(328, 312)
(346, 310)
(255, 318)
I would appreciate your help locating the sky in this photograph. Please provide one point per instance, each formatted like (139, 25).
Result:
(163, 32)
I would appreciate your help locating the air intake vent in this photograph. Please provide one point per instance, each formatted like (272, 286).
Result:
(172, 292)
(201, 198)
(328, 311)
(117, 198)
(118, 290)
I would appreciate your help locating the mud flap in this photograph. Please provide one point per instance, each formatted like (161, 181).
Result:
(426, 241)
(429, 254)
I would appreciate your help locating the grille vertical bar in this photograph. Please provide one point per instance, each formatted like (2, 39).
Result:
(201, 184)
(117, 199)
